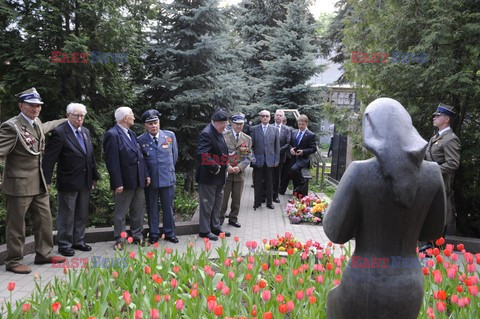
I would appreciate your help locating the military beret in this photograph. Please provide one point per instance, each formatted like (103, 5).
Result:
(238, 118)
(444, 109)
(220, 115)
(150, 116)
(30, 96)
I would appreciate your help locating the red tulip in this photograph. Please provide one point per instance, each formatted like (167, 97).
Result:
(266, 295)
(154, 314)
(290, 306)
(138, 314)
(123, 234)
(441, 307)
(312, 299)
(280, 298)
(282, 308)
(299, 294)
(460, 247)
(218, 310)
(25, 307)
(180, 304)
(126, 297)
(278, 278)
(268, 315)
(56, 307)
(130, 239)
(262, 283)
(173, 283)
(11, 286)
(264, 266)
(147, 270)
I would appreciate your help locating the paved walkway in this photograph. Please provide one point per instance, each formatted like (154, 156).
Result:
(257, 225)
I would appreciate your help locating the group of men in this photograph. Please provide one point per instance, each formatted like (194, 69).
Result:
(139, 169)
(142, 170)
(275, 151)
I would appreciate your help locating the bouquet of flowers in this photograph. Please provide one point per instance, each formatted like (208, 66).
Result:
(308, 209)
(290, 244)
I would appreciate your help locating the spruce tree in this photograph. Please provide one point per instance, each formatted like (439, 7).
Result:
(184, 67)
(293, 63)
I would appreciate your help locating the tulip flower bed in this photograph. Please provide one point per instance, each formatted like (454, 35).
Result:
(158, 282)
(308, 209)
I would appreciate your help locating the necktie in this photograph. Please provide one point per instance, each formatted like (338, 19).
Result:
(80, 140)
(155, 140)
(236, 137)
(37, 130)
(299, 137)
(129, 135)
(264, 129)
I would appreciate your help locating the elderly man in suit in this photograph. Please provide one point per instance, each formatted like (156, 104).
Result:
(70, 146)
(128, 176)
(239, 152)
(444, 149)
(160, 150)
(212, 165)
(284, 134)
(303, 143)
(22, 143)
(266, 156)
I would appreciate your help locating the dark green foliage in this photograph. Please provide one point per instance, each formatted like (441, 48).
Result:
(449, 33)
(293, 51)
(188, 67)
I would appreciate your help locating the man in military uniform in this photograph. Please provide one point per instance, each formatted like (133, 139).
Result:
(159, 148)
(239, 151)
(444, 148)
(22, 143)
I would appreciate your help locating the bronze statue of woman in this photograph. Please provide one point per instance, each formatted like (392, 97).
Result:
(387, 203)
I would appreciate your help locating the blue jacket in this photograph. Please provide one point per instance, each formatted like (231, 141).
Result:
(124, 160)
(160, 159)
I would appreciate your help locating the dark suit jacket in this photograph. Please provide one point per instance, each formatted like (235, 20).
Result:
(124, 160)
(266, 149)
(212, 153)
(75, 169)
(285, 137)
(308, 144)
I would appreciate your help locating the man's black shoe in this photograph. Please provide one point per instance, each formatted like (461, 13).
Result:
(208, 235)
(424, 248)
(153, 240)
(234, 224)
(219, 231)
(270, 206)
(172, 239)
(256, 206)
(276, 200)
(83, 247)
(67, 252)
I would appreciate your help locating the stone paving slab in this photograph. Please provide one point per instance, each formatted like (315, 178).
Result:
(257, 225)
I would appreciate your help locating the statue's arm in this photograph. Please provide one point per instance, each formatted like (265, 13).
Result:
(340, 221)
(432, 227)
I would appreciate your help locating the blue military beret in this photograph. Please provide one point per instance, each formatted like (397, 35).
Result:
(150, 116)
(220, 115)
(444, 109)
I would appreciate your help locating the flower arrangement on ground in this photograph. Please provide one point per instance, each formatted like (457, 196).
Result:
(308, 209)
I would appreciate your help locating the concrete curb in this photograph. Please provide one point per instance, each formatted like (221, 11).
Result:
(93, 235)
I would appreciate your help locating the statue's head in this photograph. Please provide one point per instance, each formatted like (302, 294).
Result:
(389, 134)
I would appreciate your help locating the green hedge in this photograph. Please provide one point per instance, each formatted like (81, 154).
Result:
(102, 204)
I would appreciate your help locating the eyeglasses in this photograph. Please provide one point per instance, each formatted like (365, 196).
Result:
(265, 115)
(77, 116)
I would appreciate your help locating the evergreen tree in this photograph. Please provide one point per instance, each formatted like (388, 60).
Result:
(293, 63)
(73, 26)
(184, 68)
(256, 19)
(433, 48)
